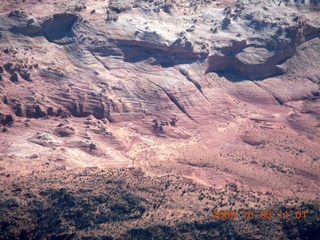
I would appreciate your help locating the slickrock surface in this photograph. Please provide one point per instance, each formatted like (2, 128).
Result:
(212, 93)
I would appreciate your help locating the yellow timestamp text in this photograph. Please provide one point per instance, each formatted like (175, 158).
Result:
(260, 214)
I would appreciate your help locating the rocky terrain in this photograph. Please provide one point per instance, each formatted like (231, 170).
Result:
(126, 204)
(136, 119)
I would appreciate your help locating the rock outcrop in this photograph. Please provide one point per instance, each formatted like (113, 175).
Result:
(58, 27)
(256, 56)
(222, 93)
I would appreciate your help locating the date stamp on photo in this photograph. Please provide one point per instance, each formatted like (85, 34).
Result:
(260, 214)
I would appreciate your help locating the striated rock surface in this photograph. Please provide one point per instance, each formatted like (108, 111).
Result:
(223, 93)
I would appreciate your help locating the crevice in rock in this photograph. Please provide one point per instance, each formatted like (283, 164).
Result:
(101, 62)
(196, 84)
(173, 100)
(276, 98)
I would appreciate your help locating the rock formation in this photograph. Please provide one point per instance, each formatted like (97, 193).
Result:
(225, 93)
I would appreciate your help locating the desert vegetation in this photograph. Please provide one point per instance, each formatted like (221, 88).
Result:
(115, 204)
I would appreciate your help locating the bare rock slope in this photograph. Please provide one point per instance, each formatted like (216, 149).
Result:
(219, 92)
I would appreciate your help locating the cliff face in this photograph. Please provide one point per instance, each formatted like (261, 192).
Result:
(217, 91)
(205, 64)
(181, 44)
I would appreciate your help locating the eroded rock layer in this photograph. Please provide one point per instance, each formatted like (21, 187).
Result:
(220, 92)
